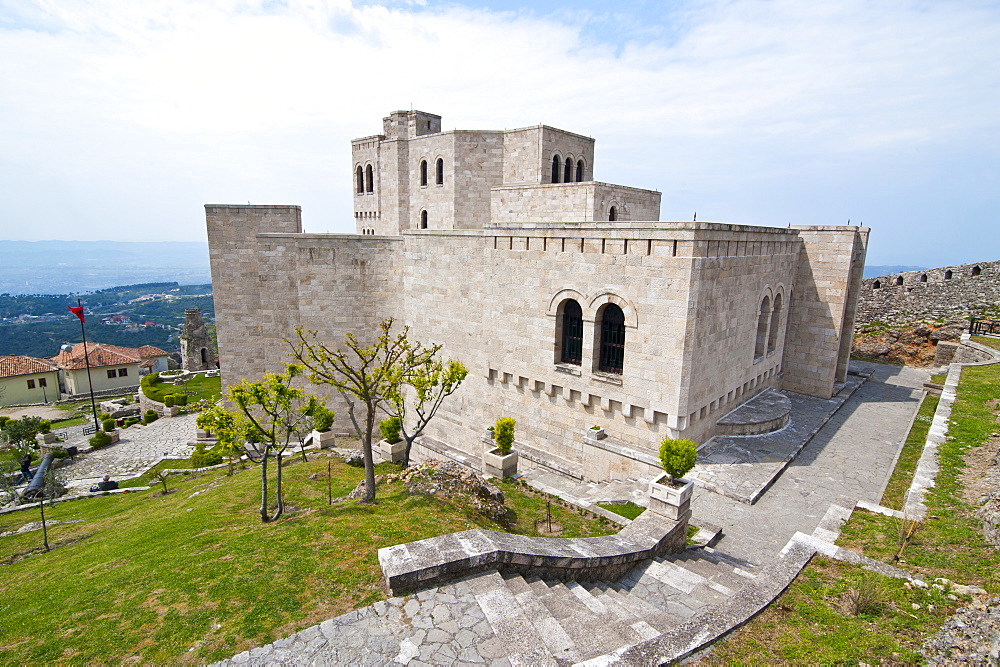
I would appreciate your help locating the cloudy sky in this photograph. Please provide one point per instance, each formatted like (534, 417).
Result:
(122, 118)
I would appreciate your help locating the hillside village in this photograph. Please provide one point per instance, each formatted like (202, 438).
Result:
(605, 438)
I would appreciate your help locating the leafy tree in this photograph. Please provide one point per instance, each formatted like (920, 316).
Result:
(20, 433)
(369, 374)
(268, 415)
(431, 381)
(231, 431)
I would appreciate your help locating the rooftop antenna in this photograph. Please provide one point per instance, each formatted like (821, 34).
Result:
(695, 216)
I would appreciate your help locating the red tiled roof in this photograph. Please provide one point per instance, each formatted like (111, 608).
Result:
(147, 351)
(99, 354)
(13, 365)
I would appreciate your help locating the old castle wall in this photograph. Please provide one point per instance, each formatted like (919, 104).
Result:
(938, 294)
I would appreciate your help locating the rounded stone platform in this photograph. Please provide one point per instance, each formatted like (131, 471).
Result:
(765, 413)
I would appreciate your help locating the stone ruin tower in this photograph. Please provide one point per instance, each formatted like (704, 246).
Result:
(196, 344)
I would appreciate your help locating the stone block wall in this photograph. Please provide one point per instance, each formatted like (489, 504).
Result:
(571, 202)
(820, 324)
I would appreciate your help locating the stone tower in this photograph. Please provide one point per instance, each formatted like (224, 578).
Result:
(196, 344)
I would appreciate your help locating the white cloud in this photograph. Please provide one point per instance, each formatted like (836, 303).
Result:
(733, 107)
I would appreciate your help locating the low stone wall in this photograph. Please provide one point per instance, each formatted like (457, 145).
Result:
(146, 403)
(434, 561)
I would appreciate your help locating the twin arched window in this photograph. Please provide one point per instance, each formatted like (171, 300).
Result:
(768, 326)
(364, 179)
(609, 330)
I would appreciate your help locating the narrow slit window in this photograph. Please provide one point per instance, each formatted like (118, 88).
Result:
(439, 169)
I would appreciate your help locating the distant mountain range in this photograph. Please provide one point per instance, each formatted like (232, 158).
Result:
(66, 267)
(888, 269)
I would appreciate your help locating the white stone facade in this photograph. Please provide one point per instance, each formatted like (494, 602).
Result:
(711, 313)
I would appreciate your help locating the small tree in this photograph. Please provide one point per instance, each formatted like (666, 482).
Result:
(276, 411)
(20, 433)
(159, 475)
(231, 432)
(677, 457)
(366, 373)
(431, 382)
(503, 434)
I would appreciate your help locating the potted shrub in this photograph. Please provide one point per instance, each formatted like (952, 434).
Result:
(322, 423)
(670, 495)
(102, 439)
(596, 432)
(498, 459)
(392, 447)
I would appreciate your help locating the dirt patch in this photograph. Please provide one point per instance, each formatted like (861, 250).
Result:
(911, 345)
(982, 471)
(43, 411)
(546, 527)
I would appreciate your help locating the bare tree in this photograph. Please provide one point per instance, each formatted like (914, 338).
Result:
(368, 374)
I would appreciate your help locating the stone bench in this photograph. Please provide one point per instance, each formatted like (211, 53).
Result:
(437, 560)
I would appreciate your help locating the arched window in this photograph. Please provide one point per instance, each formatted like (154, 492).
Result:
(423, 172)
(612, 327)
(556, 168)
(579, 171)
(369, 179)
(204, 356)
(613, 214)
(360, 177)
(976, 270)
(762, 317)
(923, 278)
(899, 280)
(772, 335)
(423, 219)
(571, 344)
(947, 274)
(568, 171)
(877, 284)
(440, 171)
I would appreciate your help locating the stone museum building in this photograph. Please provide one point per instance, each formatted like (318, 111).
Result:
(569, 302)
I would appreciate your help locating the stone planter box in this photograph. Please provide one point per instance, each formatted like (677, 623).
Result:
(325, 439)
(45, 438)
(392, 451)
(499, 465)
(595, 433)
(670, 501)
(115, 436)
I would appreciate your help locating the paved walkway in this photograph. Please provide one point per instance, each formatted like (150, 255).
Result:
(140, 448)
(501, 620)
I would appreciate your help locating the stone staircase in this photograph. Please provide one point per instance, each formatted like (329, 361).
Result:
(520, 620)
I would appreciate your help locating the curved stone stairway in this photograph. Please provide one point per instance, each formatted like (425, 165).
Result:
(510, 619)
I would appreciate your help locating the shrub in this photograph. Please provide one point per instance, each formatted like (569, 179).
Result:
(149, 380)
(100, 439)
(390, 427)
(129, 421)
(180, 399)
(202, 458)
(108, 424)
(44, 426)
(503, 434)
(60, 452)
(168, 401)
(677, 456)
(3, 420)
(324, 419)
(150, 417)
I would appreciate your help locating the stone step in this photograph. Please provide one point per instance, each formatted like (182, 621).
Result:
(521, 642)
(589, 624)
(649, 622)
(557, 640)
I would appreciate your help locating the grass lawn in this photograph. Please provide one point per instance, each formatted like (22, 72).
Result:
(811, 621)
(902, 476)
(628, 510)
(197, 388)
(194, 576)
(986, 340)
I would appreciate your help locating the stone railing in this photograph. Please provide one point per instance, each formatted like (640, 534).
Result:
(434, 561)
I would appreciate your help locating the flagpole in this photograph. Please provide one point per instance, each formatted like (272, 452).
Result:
(86, 357)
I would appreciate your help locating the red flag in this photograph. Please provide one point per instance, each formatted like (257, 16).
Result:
(78, 311)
